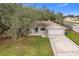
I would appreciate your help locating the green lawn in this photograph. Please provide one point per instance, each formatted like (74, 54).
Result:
(34, 46)
(74, 36)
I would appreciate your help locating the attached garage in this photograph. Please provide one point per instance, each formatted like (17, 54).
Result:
(75, 27)
(56, 30)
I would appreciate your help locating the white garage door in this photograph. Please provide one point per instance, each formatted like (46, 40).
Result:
(56, 32)
(76, 28)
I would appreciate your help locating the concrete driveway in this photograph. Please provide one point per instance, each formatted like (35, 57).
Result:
(63, 46)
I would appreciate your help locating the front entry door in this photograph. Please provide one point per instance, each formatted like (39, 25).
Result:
(36, 29)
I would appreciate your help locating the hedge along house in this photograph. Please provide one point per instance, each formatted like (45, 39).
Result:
(46, 28)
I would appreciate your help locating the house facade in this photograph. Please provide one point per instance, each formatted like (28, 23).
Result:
(46, 28)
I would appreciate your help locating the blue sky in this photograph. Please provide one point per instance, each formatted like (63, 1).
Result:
(65, 8)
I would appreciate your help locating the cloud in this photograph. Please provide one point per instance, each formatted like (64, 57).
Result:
(63, 4)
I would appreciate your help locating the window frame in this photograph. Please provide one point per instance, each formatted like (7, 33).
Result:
(43, 29)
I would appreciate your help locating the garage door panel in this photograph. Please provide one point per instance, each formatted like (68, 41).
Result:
(53, 32)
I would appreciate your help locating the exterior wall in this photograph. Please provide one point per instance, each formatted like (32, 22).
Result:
(48, 32)
(39, 31)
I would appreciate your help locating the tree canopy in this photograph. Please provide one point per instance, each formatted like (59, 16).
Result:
(15, 18)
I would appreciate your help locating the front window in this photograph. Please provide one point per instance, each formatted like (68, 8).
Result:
(42, 29)
(27, 29)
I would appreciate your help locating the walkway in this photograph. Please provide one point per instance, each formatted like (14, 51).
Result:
(63, 46)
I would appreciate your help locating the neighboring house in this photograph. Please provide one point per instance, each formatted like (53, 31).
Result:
(70, 19)
(46, 27)
(72, 22)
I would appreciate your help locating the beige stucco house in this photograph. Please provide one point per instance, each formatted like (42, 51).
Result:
(46, 28)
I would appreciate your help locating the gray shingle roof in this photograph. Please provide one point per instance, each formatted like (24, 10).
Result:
(48, 24)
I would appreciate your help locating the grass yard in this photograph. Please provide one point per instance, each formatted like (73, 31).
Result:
(74, 36)
(34, 46)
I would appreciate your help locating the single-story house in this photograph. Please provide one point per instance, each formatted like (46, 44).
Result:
(46, 27)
